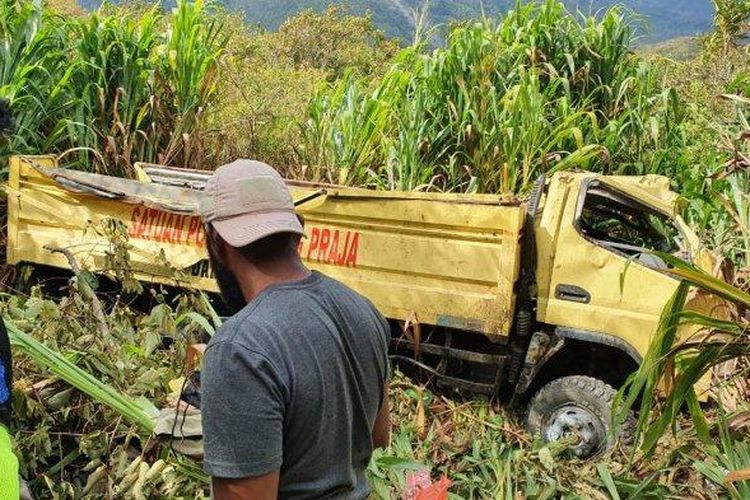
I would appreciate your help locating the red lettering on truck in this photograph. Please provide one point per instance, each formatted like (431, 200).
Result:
(331, 246)
(314, 240)
(165, 227)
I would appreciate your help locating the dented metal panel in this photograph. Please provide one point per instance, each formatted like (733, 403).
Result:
(439, 259)
(652, 190)
(626, 306)
(626, 298)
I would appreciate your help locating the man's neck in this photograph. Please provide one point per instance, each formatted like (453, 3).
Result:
(257, 279)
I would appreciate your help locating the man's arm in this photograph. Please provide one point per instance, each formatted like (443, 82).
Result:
(381, 431)
(242, 411)
(265, 487)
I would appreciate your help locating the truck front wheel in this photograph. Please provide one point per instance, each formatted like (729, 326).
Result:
(579, 407)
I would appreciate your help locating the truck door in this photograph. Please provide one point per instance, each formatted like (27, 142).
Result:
(602, 278)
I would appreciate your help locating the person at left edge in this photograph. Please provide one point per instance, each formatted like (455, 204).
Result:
(9, 483)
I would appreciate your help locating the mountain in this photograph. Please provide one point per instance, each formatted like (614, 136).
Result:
(664, 19)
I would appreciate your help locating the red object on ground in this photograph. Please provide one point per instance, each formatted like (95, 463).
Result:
(419, 486)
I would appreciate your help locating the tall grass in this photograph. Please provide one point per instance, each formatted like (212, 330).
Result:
(31, 75)
(185, 81)
(114, 88)
(537, 90)
(674, 365)
(112, 109)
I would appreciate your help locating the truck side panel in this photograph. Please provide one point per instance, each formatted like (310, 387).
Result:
(437, 259)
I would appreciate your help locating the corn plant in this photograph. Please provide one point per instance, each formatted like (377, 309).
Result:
(112, 89)
(342, 138)
(186, 81)
(537, 90)
(722, 340)
(31, 76)
(112, 113)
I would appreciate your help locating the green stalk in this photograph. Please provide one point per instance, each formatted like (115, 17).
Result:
(78, 378)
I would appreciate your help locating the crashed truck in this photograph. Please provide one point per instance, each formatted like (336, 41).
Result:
(549, 303)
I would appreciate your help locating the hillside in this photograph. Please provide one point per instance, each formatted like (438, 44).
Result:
(683, 48)
(665, 19)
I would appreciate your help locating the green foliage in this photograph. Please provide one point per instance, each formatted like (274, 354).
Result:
(267, 79)
(334, 41)
(727, 454)
(186, 81)
(730, 24)
(537, 91)
(260, 92)
(111, 112)
(31, 62)
(676, 364)
(81, 399)
(329, 98)
(80, 379)
(481, 449)
(112, 89)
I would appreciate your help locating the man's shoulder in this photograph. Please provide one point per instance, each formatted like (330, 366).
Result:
(342, 288)
(237, 329)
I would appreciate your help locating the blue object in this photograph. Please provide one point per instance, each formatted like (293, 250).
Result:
(4, 389)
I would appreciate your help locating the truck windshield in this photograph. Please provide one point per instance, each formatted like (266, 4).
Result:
(617, 222)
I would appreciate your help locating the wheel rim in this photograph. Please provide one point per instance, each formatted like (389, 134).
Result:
(573, 420)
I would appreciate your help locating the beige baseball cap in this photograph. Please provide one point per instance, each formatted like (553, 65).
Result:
(246, 201)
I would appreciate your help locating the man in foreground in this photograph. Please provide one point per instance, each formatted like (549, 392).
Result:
(9, 485)
(294, 386)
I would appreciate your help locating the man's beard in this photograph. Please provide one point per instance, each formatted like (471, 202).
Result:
(229, 287)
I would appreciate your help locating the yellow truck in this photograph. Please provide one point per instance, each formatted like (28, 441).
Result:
(549, 302)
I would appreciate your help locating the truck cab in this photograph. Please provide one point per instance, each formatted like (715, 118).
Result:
(595, 267)
(599, 291)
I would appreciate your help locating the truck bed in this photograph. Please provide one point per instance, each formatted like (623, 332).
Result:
(438, 259)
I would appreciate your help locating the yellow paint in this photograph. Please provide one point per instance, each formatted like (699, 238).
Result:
(627, 298)
(442, 259)
(630, 312)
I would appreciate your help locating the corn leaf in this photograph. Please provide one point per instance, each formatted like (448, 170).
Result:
(78, 378)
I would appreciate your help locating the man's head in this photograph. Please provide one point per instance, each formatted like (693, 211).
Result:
(252, 231)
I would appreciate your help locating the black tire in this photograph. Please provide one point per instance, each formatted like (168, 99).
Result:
(576, 405)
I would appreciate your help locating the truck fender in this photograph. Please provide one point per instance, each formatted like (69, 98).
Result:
(599, 338)
(543, 346)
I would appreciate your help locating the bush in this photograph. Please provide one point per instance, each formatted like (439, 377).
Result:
(268, 78)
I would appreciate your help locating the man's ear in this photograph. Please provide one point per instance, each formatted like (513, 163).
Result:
(215, 243)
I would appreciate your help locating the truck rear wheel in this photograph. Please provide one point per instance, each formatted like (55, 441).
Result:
(574, 406)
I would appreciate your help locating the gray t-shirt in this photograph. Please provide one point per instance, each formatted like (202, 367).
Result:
(294, 382)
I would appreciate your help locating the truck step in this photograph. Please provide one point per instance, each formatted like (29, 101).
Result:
(459, 383)
(451, 352)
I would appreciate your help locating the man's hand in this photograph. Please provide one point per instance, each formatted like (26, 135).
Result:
(265, 487)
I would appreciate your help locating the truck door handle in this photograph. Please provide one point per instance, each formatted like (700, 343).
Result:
(572, 293)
